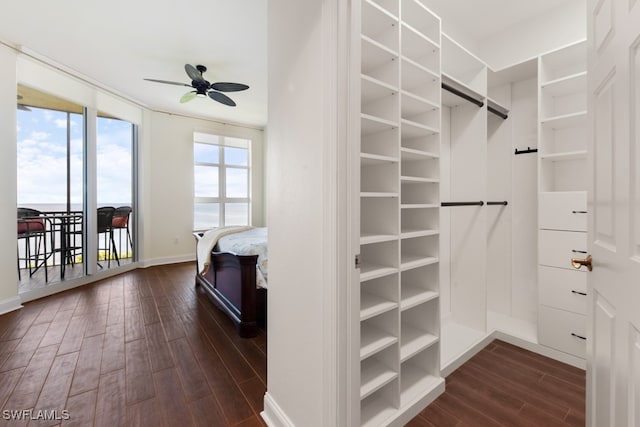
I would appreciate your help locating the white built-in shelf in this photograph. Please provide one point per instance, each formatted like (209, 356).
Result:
(371, 124)
(451, 100)
(416, 382)
(374, 375)
(497, 106)
(574, 83)
(374, 271)
(565, 120)
(368, 159)
(388, 6)
(418, 48)
(411, 154)
(376, 57)
(413, 296)
(372, 305)
(409, 261)
(411, 129)
(377, 18)
(368, 239)
(375, 411)
(415, 74)
(377, 194)
(409, 234)
(419, 205)
(373, 340)
(569, 155)
(413, 104)
(416, 15)
(425, 40)
(462, 66)
(374, 89)
(418, 179)
(413, 341)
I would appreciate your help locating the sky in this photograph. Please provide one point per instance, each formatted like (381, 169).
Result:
(42, 158)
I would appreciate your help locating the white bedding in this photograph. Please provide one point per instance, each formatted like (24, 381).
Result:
(208, 241)
(249, 242)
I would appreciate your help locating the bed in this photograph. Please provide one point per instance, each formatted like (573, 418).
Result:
(232, 269)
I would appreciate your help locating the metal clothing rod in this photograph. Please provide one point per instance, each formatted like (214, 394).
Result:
(497, 113)
(528, 150)
(462, 95)
(480, 203)
(503, 203)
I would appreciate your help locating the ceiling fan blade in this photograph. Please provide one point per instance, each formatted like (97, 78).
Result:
(188, 96)
(168, 82)
(193, 73)
(221, 98)
(229, 87)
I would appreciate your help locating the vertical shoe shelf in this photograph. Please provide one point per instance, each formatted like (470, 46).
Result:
(399, 205)
(562, 214)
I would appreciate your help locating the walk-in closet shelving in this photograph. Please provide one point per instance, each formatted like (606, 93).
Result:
(399, 203)
(562, 199)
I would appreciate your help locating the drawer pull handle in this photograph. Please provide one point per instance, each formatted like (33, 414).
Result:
(578, 252)
(577, 212)
(578, 336)
(579, 293)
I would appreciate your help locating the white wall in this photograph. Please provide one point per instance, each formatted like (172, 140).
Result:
(302, 213)
(524, 40)
(8, 173)
(167, 183)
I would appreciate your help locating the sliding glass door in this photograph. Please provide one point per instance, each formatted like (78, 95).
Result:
(75, 170)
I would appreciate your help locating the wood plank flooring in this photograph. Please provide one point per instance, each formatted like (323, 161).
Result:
(140, 349)
(147, 348)
(506, 386)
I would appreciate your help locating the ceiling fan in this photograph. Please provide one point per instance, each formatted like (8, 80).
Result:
(204, 88)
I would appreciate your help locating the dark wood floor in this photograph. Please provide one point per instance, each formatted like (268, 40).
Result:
(145, 348)
(507, 386)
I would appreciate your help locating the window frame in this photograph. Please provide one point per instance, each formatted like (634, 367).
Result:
(221, 142)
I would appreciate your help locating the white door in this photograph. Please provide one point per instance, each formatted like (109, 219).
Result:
(613, 346)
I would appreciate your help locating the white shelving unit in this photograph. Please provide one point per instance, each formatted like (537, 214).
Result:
(562, 290)
(399, 210)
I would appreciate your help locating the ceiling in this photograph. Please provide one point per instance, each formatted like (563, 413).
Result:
(119, 43)
(483, 18)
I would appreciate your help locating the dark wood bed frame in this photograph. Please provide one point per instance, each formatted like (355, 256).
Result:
(230, 283)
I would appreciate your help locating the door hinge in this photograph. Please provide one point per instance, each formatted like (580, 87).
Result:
(358, 263)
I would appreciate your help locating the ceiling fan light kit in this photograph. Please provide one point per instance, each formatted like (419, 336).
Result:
(203, 88)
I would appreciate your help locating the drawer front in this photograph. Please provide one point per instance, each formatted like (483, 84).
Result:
(563, 289)
(563, 211)
(555, 329)
(556, 248)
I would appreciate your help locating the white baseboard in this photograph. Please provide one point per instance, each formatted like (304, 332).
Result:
(542, 350)
(152, 262)
(273, 415)
(464, 357)
(10, 304)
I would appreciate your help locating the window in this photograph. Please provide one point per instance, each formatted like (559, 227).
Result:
(221, 176)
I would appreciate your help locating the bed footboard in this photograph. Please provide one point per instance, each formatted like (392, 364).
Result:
(231, 284)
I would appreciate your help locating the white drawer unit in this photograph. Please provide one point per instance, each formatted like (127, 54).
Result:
(564, 289)
(556, 248)
(562, 330)
(563, 210)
